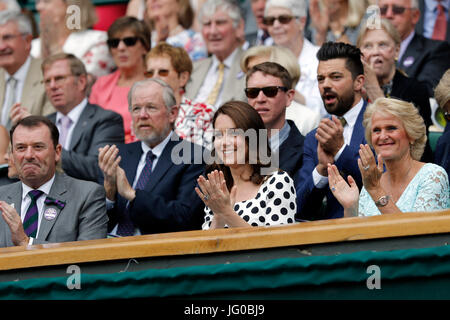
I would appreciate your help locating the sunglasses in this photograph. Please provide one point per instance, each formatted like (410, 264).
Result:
(129, 41)
(269, 92)
(161, 73)
(283, 19)
(396, 10)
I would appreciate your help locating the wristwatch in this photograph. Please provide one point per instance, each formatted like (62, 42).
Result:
(382, 201)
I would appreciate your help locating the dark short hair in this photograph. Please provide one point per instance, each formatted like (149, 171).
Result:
(36, 121)
(139, 28)
(336, 50)
(274, 69)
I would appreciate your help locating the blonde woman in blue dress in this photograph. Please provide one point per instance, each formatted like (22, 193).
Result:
(396, 131)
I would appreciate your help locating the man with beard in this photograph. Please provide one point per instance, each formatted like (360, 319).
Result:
(162, 197)
(340, 75)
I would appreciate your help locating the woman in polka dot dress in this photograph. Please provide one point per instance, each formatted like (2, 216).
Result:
(241, 190)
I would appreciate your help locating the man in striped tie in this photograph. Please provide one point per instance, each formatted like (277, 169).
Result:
(47, 206)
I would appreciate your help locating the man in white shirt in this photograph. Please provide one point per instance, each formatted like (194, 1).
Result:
(337, 140)
(47, 206)
(20, 76)
(152, 191)
(219, 78)
(83, 127)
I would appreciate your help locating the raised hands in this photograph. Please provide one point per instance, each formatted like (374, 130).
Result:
(12, 219)
(370, 171)
(108, 161)
(346, 193)
(18, 112)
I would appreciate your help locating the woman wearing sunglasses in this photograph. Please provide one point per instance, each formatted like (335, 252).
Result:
(64, 30)
(173, 65)
(128, 42)
(285, 21)
(171, 22)
(241, 190)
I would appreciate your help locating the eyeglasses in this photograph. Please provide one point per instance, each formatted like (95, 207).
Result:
(269, 92)
(129, 41)
(161, 72)
(283, 19)
(58, 80)
(396, 10)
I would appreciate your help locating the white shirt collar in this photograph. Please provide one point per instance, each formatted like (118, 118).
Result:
(405, 44)
(227, 62)
(20, 74)
(75, 113)
(158, 149)
(352, 115)
(44, 188)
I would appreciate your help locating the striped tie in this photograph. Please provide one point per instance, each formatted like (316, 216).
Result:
(30, 223)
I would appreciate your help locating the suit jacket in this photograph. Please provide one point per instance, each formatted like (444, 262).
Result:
(411, 90)
(33, 94)
(291, 151)
(420, 24)
(310, 198)
(426, 60)
(95, 128)
(82, 218)
(233, 85)
(442, 155)
(168, 202)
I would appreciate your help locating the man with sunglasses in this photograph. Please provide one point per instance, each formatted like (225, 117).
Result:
(337, 139)
(219, 78)
(421, 58)
(21, 89)
(269, 90)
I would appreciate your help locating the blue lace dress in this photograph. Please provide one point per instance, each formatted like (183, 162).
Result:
(427, 191)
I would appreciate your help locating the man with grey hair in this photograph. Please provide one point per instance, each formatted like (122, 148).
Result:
(161, 197)
(421, 58)
(219, 78)
(21, 87)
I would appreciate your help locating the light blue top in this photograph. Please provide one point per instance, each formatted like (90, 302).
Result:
(428, 190)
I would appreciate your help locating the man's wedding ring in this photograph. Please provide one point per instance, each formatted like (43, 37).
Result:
(205, 197)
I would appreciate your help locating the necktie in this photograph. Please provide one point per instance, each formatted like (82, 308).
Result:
(440, 26)
(343, 121)
(65, 123)
(11, 85)
(30, 222)
(126, 226)
(215, 91)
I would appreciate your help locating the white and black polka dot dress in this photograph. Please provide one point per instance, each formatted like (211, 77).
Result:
(274, 204)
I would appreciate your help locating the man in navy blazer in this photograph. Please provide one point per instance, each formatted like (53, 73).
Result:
(287, 143)
(421, 58)
(152, 190)
(341, 78)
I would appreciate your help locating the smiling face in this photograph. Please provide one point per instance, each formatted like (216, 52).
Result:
(379, 52)
(389, 137)
(14, 47)
(229, 142)
(34, 154)
(152, 121)
(285, 34)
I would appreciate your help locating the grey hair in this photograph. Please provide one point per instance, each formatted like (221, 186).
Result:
(11, 5)
(229, 6)
(167, 92)
(23, 23)
(297, 7)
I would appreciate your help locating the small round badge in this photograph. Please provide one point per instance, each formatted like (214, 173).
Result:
(50, 213)
(408, 61)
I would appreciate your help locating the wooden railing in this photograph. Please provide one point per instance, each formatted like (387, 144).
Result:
(222, 240)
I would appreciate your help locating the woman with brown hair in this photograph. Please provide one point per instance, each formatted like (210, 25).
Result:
(242, 189)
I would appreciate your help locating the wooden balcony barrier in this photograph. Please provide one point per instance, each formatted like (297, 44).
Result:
(225, 240)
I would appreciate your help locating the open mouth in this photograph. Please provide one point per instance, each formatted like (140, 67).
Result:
(330, 98)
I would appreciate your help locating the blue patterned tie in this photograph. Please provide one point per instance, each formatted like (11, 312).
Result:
(126, 226)
(30, 222)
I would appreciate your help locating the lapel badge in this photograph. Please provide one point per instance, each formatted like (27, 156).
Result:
(50, 213)
(408, 61)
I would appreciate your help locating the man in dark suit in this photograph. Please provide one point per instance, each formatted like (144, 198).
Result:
(47, 206)
(430, 15)
(269, 90)
(337, 140)
(83, 127)
(421, 58)
(152, 191)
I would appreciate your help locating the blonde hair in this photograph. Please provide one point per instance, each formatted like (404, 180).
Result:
(281, 55)
(386, 25)
(407, 114)
(356, 11)
(442, 91)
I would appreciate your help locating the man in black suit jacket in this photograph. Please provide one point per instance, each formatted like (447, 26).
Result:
(269, 90)
(421, 26)
(152, 191)
(421, 58)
